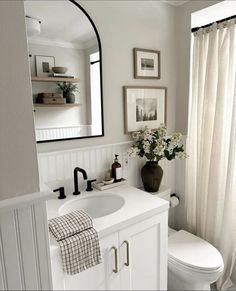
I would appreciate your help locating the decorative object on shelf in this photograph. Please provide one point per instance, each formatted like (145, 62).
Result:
(146, 64)
(68, 88)
(144, 106)
(50, 98)
(155, 146)
(59, 70)
(44, 65)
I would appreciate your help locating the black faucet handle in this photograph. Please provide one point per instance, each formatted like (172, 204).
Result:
(89, 185)
(61, 192)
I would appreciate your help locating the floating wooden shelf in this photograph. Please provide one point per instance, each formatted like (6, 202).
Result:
(57, 105)
(54, 79)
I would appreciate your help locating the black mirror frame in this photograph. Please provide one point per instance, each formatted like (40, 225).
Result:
(101, 81)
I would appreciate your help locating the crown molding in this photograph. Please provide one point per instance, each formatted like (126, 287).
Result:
(57, 43)
(63, 44)
(175, 2)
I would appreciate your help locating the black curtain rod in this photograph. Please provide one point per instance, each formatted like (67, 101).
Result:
(207, 25)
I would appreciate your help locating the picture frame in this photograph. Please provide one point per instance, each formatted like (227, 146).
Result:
(147, 64)
(43, 65)
(144, 106)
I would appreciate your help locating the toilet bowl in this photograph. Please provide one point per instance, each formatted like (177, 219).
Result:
(193, 263)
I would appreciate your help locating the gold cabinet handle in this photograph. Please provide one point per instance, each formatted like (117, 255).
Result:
(127, 253)
(115, 270)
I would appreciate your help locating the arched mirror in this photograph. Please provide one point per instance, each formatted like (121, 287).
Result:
(66, 73)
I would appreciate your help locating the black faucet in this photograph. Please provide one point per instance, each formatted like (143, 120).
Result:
(76, 170)
(61, 192)
(89, 185)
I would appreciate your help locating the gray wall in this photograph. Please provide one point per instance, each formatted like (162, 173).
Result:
(122, 25)
(18, 166)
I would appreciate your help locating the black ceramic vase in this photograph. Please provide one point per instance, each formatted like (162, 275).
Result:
(151, 174)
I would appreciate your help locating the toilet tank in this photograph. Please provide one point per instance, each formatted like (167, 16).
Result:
(164, 193)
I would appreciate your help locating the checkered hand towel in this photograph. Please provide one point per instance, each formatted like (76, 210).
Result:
(80, 252)
(67, 225)
(78, 241)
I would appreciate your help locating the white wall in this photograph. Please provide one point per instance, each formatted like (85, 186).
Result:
(123, 25)
(18, 166)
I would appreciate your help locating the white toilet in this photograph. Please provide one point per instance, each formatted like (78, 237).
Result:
(193, 263)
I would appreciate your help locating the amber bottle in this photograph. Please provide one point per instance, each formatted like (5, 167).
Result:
(116, 170)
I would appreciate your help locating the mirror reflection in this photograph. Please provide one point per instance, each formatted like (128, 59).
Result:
(64, 50)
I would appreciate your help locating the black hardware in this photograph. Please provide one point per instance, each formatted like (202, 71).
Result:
(61, 192)
(101, 81)
(76, 170)
(218, 21)
(89, 185)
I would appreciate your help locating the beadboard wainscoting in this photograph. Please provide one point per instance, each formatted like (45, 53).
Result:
(56, 168)
(24, 246)
(63, 132)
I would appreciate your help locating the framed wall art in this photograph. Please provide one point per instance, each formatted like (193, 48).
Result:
(146, 64)
(44, 65)
(144, 106)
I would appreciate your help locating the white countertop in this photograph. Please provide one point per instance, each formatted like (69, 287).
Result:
(138, 205)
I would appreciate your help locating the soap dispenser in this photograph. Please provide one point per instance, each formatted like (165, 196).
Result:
(116, 170)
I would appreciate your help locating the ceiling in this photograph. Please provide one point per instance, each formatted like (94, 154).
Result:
(61, 21)
(63, 24)
(213, 13)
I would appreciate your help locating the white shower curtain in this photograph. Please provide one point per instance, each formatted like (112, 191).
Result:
(211, 142)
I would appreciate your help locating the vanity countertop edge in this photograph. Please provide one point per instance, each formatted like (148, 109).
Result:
(139, 205)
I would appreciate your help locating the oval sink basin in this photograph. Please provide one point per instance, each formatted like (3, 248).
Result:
(95, 206)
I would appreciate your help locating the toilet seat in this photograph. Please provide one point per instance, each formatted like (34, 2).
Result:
(192, 252)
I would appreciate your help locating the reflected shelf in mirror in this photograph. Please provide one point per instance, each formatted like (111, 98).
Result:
(57, 105)
(54, 79)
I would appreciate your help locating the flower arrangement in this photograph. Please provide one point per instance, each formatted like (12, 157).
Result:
(157, 145)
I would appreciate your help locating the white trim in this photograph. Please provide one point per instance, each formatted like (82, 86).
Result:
(35, 245)
(24, 249)
(85, 148)
(4, 284)
(64, 44)
(20, 201)
(175, 2)
(57, 43)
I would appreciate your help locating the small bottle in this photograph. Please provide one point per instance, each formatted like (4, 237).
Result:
(116, 170)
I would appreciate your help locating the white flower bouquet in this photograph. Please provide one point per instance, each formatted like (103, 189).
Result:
(157, 145)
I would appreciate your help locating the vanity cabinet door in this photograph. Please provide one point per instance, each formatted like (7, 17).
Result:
(143, 254)
(102, 276)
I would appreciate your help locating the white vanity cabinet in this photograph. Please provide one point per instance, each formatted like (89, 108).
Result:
(144, 247)
(133, 241)
(100, 277)
(134, 258)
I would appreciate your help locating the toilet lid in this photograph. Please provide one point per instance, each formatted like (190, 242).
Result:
(193, 251)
